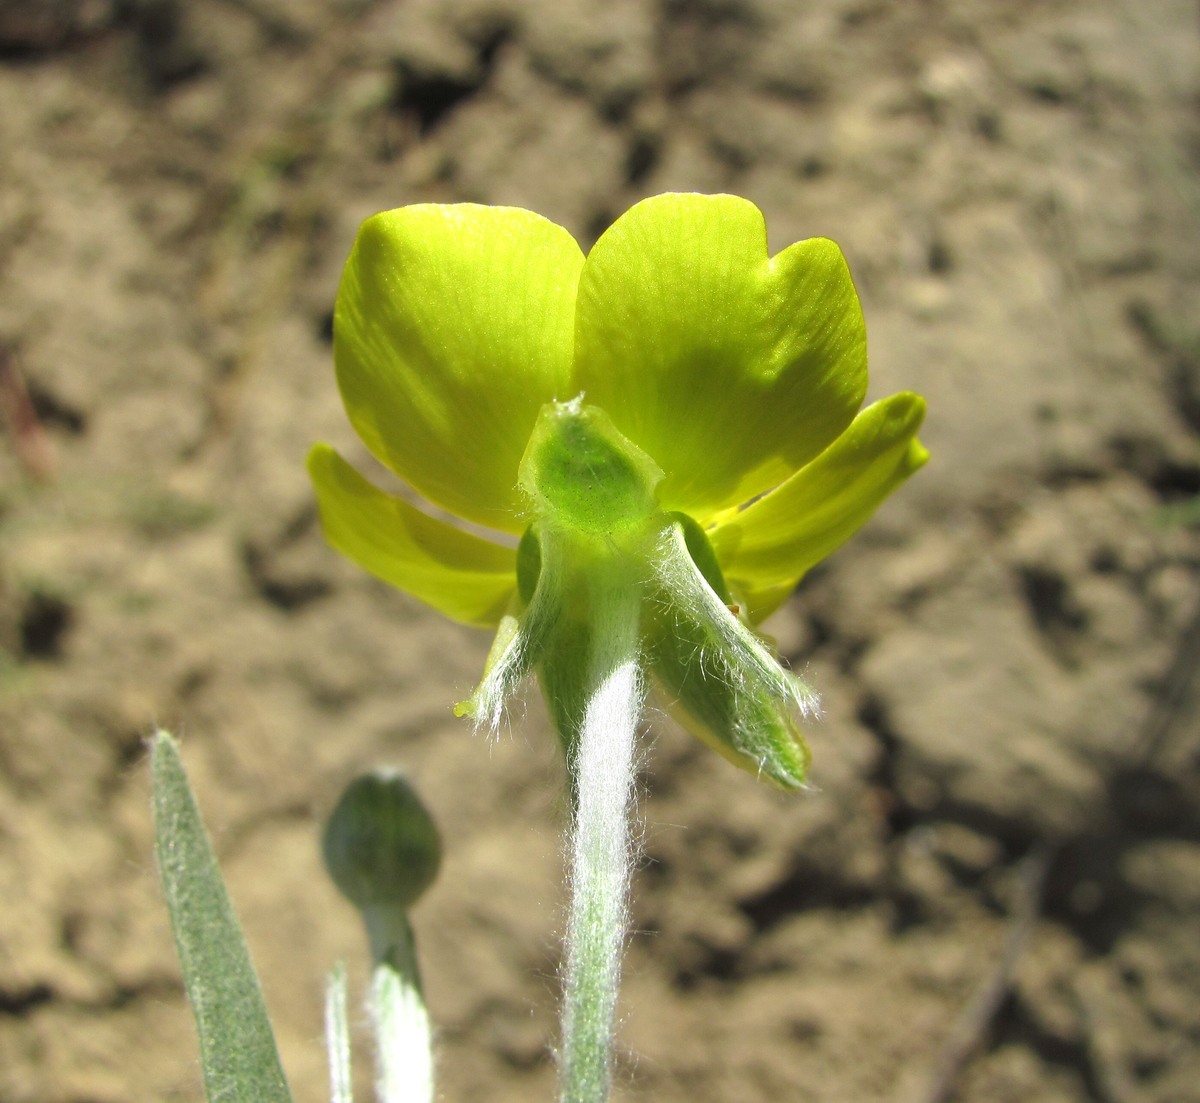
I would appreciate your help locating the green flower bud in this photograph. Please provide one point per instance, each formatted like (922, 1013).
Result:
(380, 845)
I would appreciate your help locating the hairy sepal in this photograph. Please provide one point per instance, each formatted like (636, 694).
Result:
(720, 678)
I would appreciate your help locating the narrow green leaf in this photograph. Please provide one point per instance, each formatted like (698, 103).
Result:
(237, 1047)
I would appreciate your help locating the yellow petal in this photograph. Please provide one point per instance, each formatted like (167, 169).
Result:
(453, 325)
(467, 578)
(729, 368)
(773, 542)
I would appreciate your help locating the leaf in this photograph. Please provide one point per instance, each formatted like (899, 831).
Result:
(237, 1046)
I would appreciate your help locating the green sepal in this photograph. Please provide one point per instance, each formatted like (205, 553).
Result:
(602, 561)
(529, 564)
(592, 492)
(588, 594)
(525, 632)
(701, 550)
(509, 661)
(720, 678)
(584, 585)
(601, 584)
(584, 476)
(563, 676)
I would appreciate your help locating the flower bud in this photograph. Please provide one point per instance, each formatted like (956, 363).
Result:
(381, 846)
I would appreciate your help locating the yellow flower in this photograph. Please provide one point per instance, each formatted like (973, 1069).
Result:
(708, 393)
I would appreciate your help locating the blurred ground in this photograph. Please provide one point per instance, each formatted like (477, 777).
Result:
(1009, 769)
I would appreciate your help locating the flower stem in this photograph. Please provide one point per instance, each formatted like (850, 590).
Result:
(404, 1061)
(337, 1038)
(602, 768)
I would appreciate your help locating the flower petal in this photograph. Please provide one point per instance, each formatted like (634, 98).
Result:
(777, 539)
(730, 369)
(453, 326)
(469, 579)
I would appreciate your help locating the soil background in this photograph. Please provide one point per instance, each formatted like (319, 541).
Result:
(994, 892)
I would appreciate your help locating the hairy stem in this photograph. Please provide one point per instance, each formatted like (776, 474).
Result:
(337, 1038)
(404, 1061)
(603, 767)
